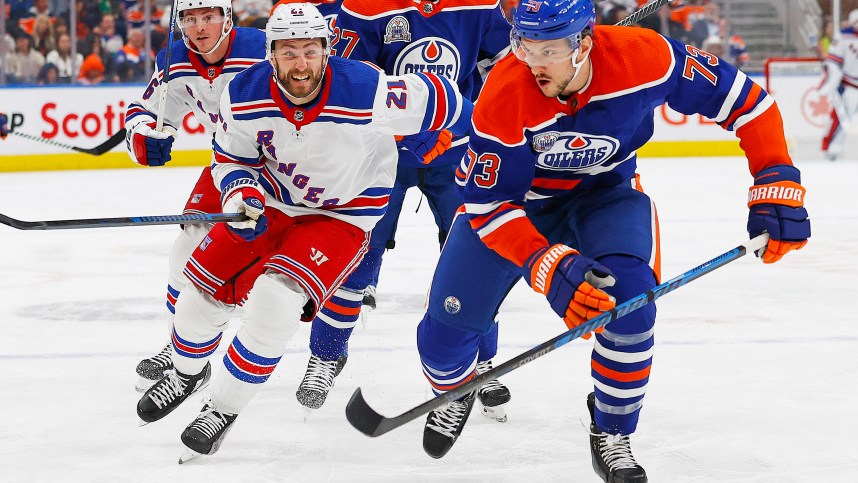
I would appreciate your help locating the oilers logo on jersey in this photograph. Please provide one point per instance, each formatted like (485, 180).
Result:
(430, 54)
(397, 30)
(572, 151)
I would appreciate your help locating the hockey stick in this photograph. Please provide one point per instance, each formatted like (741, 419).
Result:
(191, 219)
(642, 12)
(366, 420)
(162, 89)
(102, 148)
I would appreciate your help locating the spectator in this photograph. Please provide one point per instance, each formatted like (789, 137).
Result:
(48, 74)
(61, 26)
(24, 63)
(733, 52)
(91, 71)
(135, 14)
(40, 7)
(825, 40)
(250, 11)
(131, 60)
(61, 57)
(106, 29)
(710, 25)
(92, 46)
(43, 34)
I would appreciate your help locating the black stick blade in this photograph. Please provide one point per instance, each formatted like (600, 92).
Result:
(362, 416)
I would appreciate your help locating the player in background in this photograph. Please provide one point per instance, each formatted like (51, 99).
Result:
(552, 196)
(209, 55)
(305, 147)
(457, 39)
(840, 85)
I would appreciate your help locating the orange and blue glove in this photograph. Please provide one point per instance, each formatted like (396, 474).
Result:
(776, 203)
(571, 282)
(426, 145)
(4, 129)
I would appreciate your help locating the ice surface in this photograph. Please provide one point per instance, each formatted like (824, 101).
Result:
(755, 375)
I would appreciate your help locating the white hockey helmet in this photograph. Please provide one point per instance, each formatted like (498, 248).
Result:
(297, 21)
(224, 5)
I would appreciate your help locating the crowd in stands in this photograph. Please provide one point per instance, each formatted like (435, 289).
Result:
(111, 39)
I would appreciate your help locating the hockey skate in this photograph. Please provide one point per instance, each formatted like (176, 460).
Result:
(318, 381)
(444, 425)
(205, 433)
(612, 453)
(493, 395)
(166, 395)
(151, 369)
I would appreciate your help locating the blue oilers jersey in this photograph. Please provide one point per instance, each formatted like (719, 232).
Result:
(456, 39)
(195, 86)
(335, 156)
(526, 148)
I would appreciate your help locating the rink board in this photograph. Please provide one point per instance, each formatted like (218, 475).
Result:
(85, 116)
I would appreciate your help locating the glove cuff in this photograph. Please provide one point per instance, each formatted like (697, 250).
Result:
(780, 172)
(238, 185)
(779, 185)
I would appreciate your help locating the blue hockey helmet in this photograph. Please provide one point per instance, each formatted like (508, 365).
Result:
(542, 20)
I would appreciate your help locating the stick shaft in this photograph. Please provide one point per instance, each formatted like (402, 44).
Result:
(189, 219)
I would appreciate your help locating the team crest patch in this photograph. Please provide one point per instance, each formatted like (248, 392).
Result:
(545, 141)
(578, 152)
(397, 30)
(452, 305)
(196, 198)
(299, 115)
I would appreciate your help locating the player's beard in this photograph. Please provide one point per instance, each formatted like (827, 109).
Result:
(556, 86)
(301, 88)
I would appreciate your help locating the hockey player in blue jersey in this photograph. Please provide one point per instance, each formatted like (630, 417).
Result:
(551, 196)
(457, 39)
(305, 147)
(207, 57)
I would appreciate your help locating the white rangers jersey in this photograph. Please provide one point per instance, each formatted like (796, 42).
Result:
(193, 84)
(841, 65)
(335, 156)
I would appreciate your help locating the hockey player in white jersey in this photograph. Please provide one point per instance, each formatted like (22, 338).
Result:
(305, 147)
(840, 85)
(207, 57)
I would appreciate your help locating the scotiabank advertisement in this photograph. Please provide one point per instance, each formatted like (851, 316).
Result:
(82, 116)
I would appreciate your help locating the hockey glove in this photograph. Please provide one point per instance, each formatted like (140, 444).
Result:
(149, 147)
(245, 196)
(426, 145)
(4, 129)
(571, 282)
(776, 202)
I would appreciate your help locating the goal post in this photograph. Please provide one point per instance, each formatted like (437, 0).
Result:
(793, 82)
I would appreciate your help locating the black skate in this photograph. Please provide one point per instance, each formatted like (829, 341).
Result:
(444, 425)
(612, 454)
(318, 381)
(166, 395)
(205, 434)
(493, 395)
(151, 369)
(369, 298)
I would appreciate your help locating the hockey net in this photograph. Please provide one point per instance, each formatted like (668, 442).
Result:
(793, 82)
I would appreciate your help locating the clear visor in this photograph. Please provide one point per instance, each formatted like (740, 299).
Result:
(537, 53)
(189, 21)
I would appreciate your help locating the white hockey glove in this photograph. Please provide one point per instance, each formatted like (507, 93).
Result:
(244, 195)
(149, 147)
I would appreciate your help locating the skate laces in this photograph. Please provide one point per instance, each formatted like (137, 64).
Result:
(167, 389)
(616, 451)
(320, 375)
(210, 421)
(493, 385)
(164, 358)
(446, 419)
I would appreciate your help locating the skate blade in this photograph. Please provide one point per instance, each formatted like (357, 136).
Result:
(143, 384)
(308, 412)
(141, 423)
(188, 455)
(498, 413)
